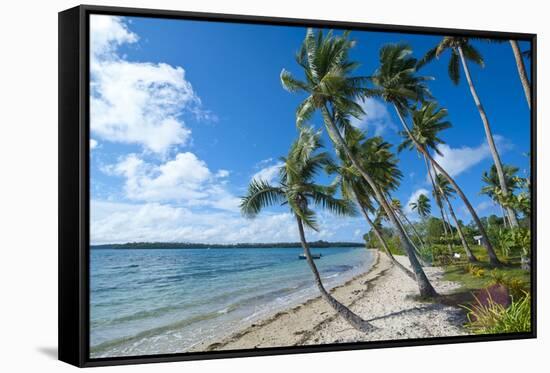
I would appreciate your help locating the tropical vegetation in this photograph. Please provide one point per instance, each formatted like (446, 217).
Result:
(365, 174)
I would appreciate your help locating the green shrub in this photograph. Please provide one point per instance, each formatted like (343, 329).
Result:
(516, 286)
(494, 318)
(474, 270)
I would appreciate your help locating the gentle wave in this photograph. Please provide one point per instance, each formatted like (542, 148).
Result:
(213, 293)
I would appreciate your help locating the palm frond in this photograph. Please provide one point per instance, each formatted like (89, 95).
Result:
(260, 195)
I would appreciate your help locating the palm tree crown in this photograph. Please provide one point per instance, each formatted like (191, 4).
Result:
(453, 44)
(492, 184)
(427, 121)
(296, 184)
(328, 80)
(422, 206)
(396, 79)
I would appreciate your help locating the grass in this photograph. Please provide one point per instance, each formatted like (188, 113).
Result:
(494, 318)
(473, 281)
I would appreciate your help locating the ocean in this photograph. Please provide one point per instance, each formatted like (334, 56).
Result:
(158, 301)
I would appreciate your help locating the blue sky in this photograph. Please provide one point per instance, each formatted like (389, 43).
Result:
(184, 114)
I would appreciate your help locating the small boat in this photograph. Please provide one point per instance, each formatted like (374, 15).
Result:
(313, 256)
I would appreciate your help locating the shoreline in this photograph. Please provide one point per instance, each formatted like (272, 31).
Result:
(383, 295)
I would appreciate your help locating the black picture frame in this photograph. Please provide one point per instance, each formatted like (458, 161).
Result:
(74, 196)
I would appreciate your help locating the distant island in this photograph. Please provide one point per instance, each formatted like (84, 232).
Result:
(190, 245)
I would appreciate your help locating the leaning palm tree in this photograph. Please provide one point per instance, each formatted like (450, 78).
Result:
(492, 185)
(518, 55)
(401, 216)
(398, 84)
(520, 64)
(447, 229)
(462, 50)
(297, 190)
(332, 90)
(422, 206)
(375, 154)
(446, 191)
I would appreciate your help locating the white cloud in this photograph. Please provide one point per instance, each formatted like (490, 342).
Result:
(185, 179)
(268, 173)
(136, 102)
(457, 160)
(123, 222)
(222, 173)
(93, 144)
(377, 118)
(413, 198)
(107, 34)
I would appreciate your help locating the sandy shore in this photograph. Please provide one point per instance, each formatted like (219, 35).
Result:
(384, 296)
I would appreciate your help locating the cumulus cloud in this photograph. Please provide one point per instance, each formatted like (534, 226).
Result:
(136, 102)
(377, 119)
(93, 144)
(124, 222)
(185, 179)
(268, 173)
(457, 160)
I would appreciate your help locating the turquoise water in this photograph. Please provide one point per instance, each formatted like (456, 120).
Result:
(167, 300)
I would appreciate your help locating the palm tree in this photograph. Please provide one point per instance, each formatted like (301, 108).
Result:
(518, 55)
(398, 84)
(398, 210)
(445, 191)
(332, 90)
(492, 185)
(297, 190)
(462, 50)
(522, 72)
(422, 206)
(375, 154)
(448, 232)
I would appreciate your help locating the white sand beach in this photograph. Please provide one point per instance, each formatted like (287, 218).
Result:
(383, 295)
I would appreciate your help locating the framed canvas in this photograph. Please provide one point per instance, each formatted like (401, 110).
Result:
(235, 186)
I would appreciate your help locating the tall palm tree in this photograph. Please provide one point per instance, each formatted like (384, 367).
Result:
(445, 191)
(422, 206)
(332, 90)
(399, 84)
(297, 189)
(518, 55)
(462, 50)
(375, 155)
(492, 185)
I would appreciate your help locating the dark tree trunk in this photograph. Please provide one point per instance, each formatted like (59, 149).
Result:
(425, 287)
(439, 204)
(354, 320)
(383, 242)
(416, 234)
(521, 71)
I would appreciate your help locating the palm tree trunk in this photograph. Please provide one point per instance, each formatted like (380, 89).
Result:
(493, 259)
(439, 204)
(353, 319)
(469, 254)
(425, 287)
(416, 250)
(504, 218)
(417, 235)
(521, 71)
(489, 135)
(382, 241)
